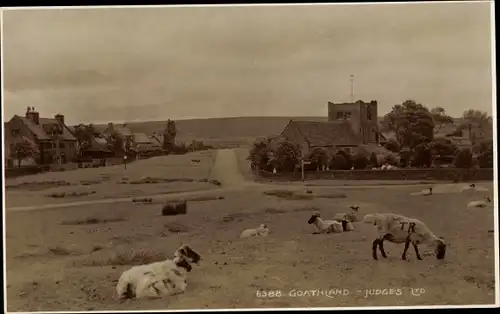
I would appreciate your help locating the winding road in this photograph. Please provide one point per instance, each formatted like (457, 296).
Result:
(225, 170)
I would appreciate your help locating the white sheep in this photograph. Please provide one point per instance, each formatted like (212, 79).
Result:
(425, 192)
(350, 217)
(473, 188)
(127, 284)
(400, 229)
(261, 231)
(172, 282)
(327, 226)
(480, 204)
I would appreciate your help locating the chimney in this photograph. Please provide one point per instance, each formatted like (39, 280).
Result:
(59, 118)
(33, 115)
(110, 125)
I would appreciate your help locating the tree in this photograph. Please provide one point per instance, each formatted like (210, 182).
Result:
(485, 157)
(117, 143)
(392, 145)
(84, 135)
(318, 157)
(440, 117)
(259, 154)
(339, 162)
(477, 119)
(443, 147)
(412, 122)
(169, 135)
(423, 155)
(22, 149)
(360, 162)
(464, 159)
(287, 155)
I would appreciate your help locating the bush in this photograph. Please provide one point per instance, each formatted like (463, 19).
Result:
(422, 156)
(360, 162)
(339, 162)
(393, 146)
(391, 160)
(464, 159)
(318, 158)
(374, 160)
(485, 159)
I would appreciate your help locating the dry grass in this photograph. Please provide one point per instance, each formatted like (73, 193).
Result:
(92, 221)
(290, 253)
(131, 257)
(289, 195)
(70, 194)
(37, 185)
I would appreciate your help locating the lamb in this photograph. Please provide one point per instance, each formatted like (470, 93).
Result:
(127, 284)
(329, 226)
(262, 231)
(425, 192)
(350, 217)
(480, 204)
(400, 229)
(474, 188)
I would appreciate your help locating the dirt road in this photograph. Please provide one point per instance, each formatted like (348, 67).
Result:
(225, 170)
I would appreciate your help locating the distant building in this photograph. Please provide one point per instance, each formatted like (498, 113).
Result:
(52, 139)
(349, 126)
(144, 143)
(331, 135)
(362, 115)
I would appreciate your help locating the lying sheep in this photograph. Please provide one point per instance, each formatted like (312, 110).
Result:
(401, 229)
(262, 231)
(350, 217)
(129, 280)
(329, 226)
(473, 187)
(178, 208)
(172, 282)
(480, 204)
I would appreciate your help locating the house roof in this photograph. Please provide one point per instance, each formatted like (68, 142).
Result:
(461, 141)
(39, 131)
(120, 128)
(155, 139)
(326, 133)
(142, 138)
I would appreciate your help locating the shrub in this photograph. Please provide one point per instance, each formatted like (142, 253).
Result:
(422, 155)
(360, 162)
(374, 160)
(339, 162)
(464, 159)
(391, 160)
(318, 157)
(393, 146)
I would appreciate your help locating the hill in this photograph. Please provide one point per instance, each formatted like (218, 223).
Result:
(232, 131)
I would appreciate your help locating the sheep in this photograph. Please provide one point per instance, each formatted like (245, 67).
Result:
(172, 282)
(262, 231)
(425, 192)
(350, 217)
(127, 284)
(400, 229)
(474, 188)
(480, 204)
(328, 226)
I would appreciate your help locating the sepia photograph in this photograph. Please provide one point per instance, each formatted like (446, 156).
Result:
(281, 156)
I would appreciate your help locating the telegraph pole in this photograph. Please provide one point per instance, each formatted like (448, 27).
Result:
(352, 87)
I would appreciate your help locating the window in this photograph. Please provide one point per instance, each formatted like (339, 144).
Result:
(343, 115)
(339, 115)
(15, 132)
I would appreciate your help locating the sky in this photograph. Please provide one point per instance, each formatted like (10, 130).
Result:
(131, 64)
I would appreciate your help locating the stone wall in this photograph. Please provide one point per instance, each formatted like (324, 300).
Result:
(444, 174)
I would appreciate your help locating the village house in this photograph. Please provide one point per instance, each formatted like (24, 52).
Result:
(144, 144)
(51, 139)
(349, 125)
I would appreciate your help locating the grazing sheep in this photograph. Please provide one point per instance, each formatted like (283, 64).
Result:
(179, 208)
(401, 229)
(350, 217)
(480, 204)
(262, 231)
(128, 282)
(327, 226)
